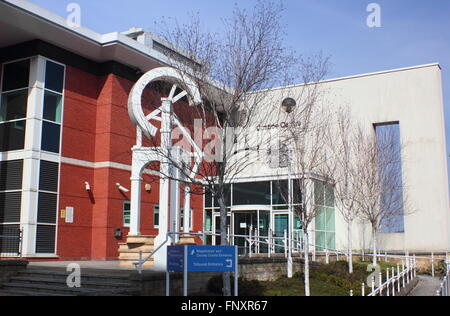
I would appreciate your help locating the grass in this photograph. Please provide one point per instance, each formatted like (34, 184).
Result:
(325, 280)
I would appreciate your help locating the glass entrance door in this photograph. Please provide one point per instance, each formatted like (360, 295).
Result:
(281, 224)
(217, 239)
(244, 223)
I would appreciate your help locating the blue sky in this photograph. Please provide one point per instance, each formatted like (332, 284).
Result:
(412, 32)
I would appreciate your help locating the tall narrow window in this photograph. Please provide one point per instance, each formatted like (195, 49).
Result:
(390, 177)
(13, 105)
(51, 126)
(47, 207)
(126, 213)
(156, 216)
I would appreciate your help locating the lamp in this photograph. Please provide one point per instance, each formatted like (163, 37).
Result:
(121, 188)
(288, 105)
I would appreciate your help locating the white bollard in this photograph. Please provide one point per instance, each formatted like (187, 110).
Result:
(387, 282)
(393, 281)
(398, 278)
(363, 290)
(432, 264)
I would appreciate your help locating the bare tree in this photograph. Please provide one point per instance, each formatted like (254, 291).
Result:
(341, 139)
(381, 194)
(304, 136)
(228, 68)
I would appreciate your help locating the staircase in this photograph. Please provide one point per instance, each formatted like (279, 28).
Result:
(52, 282)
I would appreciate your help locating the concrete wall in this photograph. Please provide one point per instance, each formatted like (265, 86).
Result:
(412, 96)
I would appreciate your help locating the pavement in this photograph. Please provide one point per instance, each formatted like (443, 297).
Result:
(427, 286)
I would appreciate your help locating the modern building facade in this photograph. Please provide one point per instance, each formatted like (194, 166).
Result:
(66, 139)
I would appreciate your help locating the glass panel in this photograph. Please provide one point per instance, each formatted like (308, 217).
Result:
(320, 241)
(297, 223)
(54, 77)
(319, 192)
(52, 106)
(13, 105)
(329, 195)
(227, 193)
(126, 213)
(255, 193)
(156, 216)
(208, 221)
(281, 224)
(13, 136)
(321, 219)
(208, 199)
(16, 75)
(280, 192)
(297, 192)
(331, 241)
(50, 137)
(330, 218)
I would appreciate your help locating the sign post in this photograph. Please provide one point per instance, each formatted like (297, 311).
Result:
(201, 259)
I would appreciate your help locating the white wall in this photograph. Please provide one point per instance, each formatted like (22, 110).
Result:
(412, 96)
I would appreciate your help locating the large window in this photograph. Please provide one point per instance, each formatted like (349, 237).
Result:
(52, 109)
(325, 218)
(13, 105)
(390, 175)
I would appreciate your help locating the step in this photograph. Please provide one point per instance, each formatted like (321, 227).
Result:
(86, 275)
(18, 292)
(84, 283)
(35, 289)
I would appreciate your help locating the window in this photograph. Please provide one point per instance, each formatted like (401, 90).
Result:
(13, 105)
(182, 219)
(156, 216)
(52, 108)
(126, 213)
(47, 207)
(390, 174)
(253, 193)
(325, 219)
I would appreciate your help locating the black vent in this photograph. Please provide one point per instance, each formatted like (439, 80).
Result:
(11, 175)
(48, 176)
(10, 207)
(47, 206)
(45, 239)
(10, 239)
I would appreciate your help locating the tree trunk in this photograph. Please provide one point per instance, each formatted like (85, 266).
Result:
(350, 246)
(374, 233)
(306, 272)
(224, 242)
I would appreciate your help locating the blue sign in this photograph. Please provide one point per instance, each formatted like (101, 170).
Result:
(202, 258)
(175, 258)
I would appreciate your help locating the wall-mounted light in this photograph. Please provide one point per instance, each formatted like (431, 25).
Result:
(148, 188)
(87, 186)
(121, 188)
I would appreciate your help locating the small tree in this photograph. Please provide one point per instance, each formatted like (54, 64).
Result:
(341, 139)
(381, 194)
(305, 134)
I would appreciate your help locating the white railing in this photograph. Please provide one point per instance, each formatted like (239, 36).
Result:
(444, 289)
(396, 279)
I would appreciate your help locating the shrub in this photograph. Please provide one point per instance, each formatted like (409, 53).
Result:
(246, 287)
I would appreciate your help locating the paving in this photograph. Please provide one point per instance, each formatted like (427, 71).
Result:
(427, 286)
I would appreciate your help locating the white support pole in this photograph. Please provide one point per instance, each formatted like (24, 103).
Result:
(403, 274)
(393, 281)
(380, 275)
(432, 264)
(398, 278)
(166, 144)
(363, 290)
(387, 282)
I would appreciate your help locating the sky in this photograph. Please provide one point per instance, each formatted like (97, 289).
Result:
(411, 33)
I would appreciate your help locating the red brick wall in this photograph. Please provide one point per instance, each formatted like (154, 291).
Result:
(97, 128)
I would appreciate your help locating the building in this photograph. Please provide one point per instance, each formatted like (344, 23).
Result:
(66, 139)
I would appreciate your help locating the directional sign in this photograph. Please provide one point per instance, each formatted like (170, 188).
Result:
(202, 258)
(211, 258)
(175, 258)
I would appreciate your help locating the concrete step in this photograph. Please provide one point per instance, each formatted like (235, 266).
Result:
(84, 283)
(39, 288)
(50, 281)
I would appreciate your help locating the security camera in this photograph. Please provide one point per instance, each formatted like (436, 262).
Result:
(121, 188)
(87, 186)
